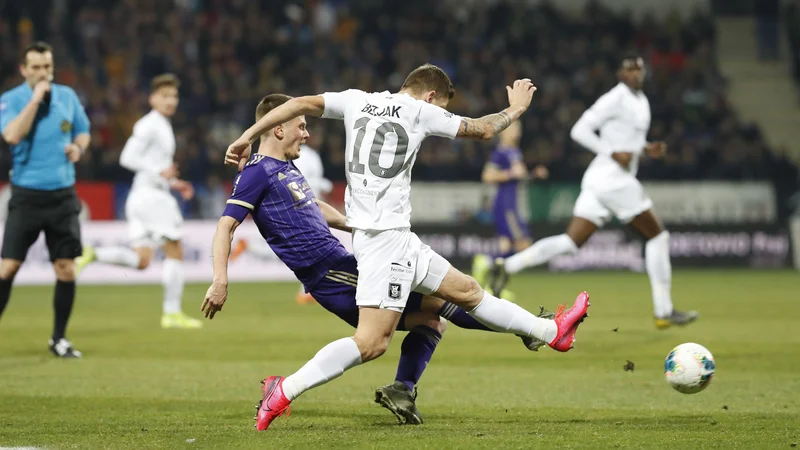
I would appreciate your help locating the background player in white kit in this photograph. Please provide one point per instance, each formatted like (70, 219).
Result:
(153, 215)
(609, 186)
(310, 165)
(384, 132)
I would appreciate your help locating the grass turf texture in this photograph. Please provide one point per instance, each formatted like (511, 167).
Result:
(142, 387)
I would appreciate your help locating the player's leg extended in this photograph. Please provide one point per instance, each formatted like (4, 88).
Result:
(659, 269)
(134, 258)
(448, 283)
(173, 281)
(372, 337)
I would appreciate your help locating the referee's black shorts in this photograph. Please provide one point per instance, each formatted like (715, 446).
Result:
(31, 211)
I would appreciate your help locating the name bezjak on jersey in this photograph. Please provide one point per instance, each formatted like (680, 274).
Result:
(387, 111)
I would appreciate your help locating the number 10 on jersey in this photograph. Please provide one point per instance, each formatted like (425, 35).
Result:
(376, 149)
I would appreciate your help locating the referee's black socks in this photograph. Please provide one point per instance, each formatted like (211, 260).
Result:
(5, 293)
(63, 299)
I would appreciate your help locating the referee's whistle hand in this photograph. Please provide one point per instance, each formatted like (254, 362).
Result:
(73, 152)
(41, 88)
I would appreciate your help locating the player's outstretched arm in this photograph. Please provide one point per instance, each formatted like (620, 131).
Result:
(220, 252)
(312, 105)
(334, 218)
(487, 127)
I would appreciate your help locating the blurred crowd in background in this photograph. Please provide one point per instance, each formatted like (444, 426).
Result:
(230, 53)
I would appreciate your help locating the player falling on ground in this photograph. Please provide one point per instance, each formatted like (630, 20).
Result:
(310, 165)
(506, 169)
(609, 186)
(384, 132)
(153, 215)
(295, 225)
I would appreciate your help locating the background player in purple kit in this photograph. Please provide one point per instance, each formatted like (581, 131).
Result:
(506, 169)
(296, 226)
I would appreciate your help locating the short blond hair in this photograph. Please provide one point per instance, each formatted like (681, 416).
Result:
(165, 80)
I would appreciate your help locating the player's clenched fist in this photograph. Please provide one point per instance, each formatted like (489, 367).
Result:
(521, 93)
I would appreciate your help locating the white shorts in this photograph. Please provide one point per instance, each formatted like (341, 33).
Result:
(625, 203)
(153, 216)
(391, 264)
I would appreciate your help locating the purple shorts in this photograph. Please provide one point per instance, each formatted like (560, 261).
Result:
(510, 225)
(336, 292)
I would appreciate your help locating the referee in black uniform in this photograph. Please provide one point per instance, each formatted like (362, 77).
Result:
(47, 131)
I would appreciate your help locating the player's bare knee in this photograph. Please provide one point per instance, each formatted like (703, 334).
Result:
(65, 269)
(173, 250)
(9, 268)
(145, 255)
(371, 347)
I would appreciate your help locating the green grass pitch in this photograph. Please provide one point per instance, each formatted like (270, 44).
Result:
(142, 387)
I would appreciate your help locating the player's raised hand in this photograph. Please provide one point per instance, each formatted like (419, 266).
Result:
(216, 295)
(237, 150)
(521, 93)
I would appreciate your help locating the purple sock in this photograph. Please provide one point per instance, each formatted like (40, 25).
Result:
(415, 353)
(460, 318)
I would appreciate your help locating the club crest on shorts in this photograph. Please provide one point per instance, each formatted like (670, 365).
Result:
(395, 291)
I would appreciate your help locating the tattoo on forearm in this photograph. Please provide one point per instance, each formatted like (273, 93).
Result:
(479, 128)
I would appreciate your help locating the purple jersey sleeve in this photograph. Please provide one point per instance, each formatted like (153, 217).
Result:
(248, 190)
(499, 160)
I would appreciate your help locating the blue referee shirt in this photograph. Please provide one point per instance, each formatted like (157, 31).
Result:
(39, 161)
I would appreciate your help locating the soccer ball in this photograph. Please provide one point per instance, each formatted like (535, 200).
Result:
(689, 368)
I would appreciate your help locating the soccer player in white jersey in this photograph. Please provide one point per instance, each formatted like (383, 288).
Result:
(310, 165)
(610, 187)
(154, 217)
(384, 132)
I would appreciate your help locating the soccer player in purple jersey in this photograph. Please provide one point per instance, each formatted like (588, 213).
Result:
(296, 225)
(506, 170)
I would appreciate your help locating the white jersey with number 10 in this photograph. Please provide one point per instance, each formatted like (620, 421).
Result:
(384, 132)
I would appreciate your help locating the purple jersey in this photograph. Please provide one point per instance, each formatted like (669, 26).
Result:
(284, 209)
(503, 158)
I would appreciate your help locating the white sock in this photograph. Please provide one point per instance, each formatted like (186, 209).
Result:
(506, 317)
(172, 280)
(659, 269)
(119, 256)
(262, 250)
(329, 363)
(539, 253)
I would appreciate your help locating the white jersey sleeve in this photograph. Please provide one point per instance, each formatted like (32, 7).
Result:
(438, 121)
(583, 132)
(336, 103)
(149, 151)
(134, 154)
